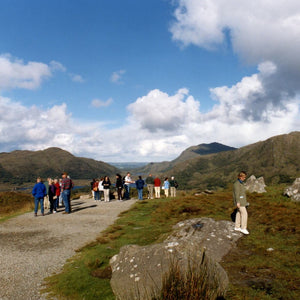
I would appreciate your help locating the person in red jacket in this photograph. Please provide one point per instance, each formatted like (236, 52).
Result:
(57, 191)
(157, 184)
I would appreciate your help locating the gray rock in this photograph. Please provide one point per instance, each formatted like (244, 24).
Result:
(293, 191)
(138, 272)
(254, 184)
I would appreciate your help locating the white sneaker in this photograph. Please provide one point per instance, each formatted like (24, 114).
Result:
(237, 229)
(244, 231)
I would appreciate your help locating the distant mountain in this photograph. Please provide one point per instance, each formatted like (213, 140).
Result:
(24, 166)
(189, 153)
(276, 159)
(202, 149)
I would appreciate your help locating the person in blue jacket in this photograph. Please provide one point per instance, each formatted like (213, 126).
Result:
(139, 186)
(39, 192)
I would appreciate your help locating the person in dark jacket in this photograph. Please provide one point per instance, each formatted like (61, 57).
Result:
(139, 186)
(119, 186)
(52, 195)
(39, 192)
(106, 185)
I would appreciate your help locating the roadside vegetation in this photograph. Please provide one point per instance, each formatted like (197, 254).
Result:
(14, 203)
(264, 265)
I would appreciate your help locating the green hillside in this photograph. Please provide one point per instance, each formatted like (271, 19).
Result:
(276, 159)
(24, 166)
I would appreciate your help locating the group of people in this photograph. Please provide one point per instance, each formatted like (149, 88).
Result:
(101, 187)
(56, 192)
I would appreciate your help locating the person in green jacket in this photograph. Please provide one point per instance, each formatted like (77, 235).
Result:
(150, 186)
(240, 201)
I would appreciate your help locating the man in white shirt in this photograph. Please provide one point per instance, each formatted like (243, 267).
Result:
(127, 182)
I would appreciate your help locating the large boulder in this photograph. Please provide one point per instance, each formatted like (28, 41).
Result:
(293, 191)
(254, 184)
(198, 244)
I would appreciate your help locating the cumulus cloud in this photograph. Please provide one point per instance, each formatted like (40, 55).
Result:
(116, 77)
(101, 103)
(14, 73)
(159, 125)
(76, 78)
(263, 33)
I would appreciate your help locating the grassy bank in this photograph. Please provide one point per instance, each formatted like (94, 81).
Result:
(265, 265)
(14, 203)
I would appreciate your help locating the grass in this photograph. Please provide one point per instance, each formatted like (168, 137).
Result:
(255, 270)
(14, 203)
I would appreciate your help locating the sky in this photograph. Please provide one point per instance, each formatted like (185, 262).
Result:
(141, 81)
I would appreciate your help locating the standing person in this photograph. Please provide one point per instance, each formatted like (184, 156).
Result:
(96, 190)
(66, 187)
(106, 185)
(46, 200)
(57, 192)
(127, 182)
(60, 199)
(139, 186)
(52, 194)
(240, 201)
(166, 187)
(173, 186)
(150, 185)
(101, 189)
(39, 192)
(157, 184)
(119, 186)
(92, 187)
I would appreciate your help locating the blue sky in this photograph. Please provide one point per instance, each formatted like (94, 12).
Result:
(134, 80)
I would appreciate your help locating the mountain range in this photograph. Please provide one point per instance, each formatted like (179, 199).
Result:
(24, 166)
(202, 166)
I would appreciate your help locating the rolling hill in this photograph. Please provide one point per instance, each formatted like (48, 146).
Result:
(24, 166)
(276, 159)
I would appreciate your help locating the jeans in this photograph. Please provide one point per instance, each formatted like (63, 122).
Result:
(96, 195)
(140, 194)
(66, 198)
(126, 189)
(36, 204)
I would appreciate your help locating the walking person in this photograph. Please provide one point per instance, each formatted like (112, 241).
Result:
(166, 187)
(39, 192)
(66, 187)
(140, 186)
(106, 185)
(157, 184)
(119, 186)
(150, 186)
(173, 186)
(240, 201)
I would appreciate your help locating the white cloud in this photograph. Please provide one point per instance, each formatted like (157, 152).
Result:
(259, 29)
(57, 66)
(158, 128)
(14, 73)
(76, 78)
(101, 103)
(116, 77)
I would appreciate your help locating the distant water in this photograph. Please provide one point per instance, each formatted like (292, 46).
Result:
(128, 165)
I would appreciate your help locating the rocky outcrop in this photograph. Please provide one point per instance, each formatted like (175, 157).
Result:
(254, 184)
(138, 271)
(293, 191)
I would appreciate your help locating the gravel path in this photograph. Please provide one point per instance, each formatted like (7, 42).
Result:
(33, 248)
